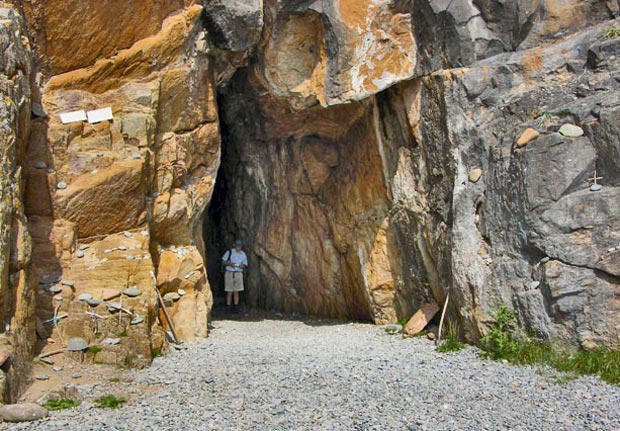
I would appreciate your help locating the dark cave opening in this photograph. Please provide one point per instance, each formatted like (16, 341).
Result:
(217, 237)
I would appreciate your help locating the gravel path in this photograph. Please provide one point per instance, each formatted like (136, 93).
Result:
(323, 375)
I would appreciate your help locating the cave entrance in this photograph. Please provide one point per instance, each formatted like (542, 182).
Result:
(283, 177)
(217, 237)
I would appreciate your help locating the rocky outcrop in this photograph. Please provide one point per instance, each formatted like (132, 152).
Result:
(120, 204)
(370, 208)
(70, 35)
(376, 156)
(17, 306)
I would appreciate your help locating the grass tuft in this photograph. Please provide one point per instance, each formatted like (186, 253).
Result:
(500, 343)
(611, 32)
(61, 404)
(451, 342)
(110, 402)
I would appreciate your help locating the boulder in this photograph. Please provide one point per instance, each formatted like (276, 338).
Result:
(22, 412)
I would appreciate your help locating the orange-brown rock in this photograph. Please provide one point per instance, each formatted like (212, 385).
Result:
(74, 34)
(378, 49)
(129, 186)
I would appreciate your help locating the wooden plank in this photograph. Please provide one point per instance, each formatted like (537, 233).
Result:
(421, 318)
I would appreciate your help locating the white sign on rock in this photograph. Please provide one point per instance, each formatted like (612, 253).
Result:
(72, 117)
(99, 115)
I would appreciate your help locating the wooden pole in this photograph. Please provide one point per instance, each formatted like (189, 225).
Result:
(168, 320)
(55, 352)
(443, 315)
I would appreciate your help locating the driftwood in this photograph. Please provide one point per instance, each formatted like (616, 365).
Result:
(111, 296)
(54, 352)
(168, 319)
(443, 315)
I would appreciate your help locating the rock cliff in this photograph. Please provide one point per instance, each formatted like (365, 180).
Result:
(375, 155)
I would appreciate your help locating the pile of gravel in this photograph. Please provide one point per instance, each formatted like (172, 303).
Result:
(324, 375)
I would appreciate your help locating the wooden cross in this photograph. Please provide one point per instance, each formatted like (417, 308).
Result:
(596, 186)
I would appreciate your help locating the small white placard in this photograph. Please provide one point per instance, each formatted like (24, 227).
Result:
(72, 117)
(99, 115)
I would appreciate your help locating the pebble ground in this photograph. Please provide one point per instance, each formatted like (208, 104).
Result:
(256, 373)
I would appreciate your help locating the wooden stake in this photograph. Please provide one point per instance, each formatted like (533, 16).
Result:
(168, 320)
(55, 352)
(443, 314)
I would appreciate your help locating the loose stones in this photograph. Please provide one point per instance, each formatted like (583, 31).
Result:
(393, 328)
(40, 165)
(595, 187)
(55, 289)
(474, 175)
(571, 131)
(79, 254)
(172, 296)
(93, 302)
(181, 292)
(42, 377)
(49, 279)
(67, 283)
(534, 285)
(77, 344)
(132, 292)
(111, 341)
(528, 136)
(85, 297)
(114, 306)
(61, 185)
(137, 320)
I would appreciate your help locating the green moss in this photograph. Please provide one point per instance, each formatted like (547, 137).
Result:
(94, 350)
(110, 402)
(156, 353)
(114, 380)
(130, 362)
(611, 32)
(61, 404)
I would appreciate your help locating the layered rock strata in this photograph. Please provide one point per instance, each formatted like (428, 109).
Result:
(373, 158)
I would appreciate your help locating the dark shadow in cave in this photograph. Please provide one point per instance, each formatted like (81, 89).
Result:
(217, 238)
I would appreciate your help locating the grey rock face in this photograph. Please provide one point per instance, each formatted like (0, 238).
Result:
(16, 284)
(426, 135)
(234, 25)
